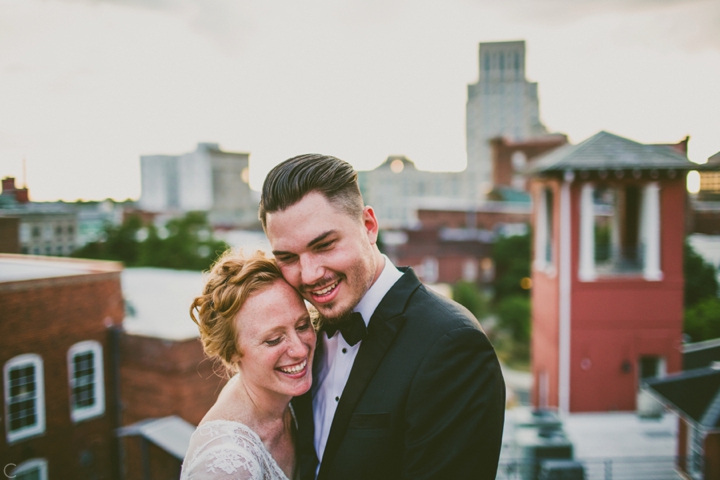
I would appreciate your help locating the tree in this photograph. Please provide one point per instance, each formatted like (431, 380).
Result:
(469, 295)
(700, 277)
(702, 306)
(119, 243)
(513, 315)
(511, 256)
(185, 243)
(702, 320)
(188, 245)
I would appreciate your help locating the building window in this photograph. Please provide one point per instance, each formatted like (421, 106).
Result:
(25, 233)
(544, 257)
(85, 370)
(470, 270)
(430, 270)
(24, 397)
(620, 231)
(35, 469)
(47, 232)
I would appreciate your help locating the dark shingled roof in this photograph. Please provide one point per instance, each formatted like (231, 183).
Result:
(695, 393)
(605, 151)
(701, 354)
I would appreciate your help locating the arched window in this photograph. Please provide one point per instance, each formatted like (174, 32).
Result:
(87, 387)
(24, 397)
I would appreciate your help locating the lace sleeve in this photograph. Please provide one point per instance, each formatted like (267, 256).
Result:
(222, 454)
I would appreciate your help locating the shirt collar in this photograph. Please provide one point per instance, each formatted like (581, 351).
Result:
(367, 305)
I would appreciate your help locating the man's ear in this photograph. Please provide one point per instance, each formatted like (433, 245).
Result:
(371, 224)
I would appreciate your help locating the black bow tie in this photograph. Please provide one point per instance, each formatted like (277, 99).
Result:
(352, 327)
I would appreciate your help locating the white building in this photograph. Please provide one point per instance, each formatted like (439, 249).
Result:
(501, 103)
(207, 179)
(396, 189)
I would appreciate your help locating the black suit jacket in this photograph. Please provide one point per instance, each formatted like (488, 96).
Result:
(425, 398)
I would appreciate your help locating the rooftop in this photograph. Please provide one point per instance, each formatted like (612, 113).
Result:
(16, 268)
(606, 151)
(158, 302)
(694, 393)
(172, 433)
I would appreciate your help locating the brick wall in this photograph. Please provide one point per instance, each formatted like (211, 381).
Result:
(503, 150)
(163, 377)
(160, 378)
(47, 317)
(9, 235)
(486, 220)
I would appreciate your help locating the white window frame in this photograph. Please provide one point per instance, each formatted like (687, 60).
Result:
(39, 426)
(27, 466)
(544, 241)
(649, 234)
(430, 269)
(98, 408)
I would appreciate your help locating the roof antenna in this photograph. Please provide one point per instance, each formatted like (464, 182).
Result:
(24, 174)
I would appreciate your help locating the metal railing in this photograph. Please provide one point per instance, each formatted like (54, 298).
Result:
(617, 468)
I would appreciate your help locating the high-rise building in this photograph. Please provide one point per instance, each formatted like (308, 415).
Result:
(501, 104)
(207, 179)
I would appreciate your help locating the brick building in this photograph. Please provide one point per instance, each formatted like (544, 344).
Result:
(83, 357)
(607, 271)
(9, 234)
(60, 407)
(487, 216)
(12, 192)
(510, 157)
(165, 377)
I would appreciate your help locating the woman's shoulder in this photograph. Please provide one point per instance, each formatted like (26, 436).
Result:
(224, 450)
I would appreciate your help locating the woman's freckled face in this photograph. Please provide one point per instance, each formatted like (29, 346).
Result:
(277, 341)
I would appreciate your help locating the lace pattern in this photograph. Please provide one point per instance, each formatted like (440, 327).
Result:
(224, 450)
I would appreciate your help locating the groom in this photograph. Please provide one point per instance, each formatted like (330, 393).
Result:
(406, 384)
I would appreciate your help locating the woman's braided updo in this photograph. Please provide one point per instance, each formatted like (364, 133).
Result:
(231, 280)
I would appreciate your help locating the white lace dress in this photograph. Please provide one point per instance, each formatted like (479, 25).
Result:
(225, 450)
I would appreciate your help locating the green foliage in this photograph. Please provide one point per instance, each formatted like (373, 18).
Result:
(469, 295)
(603, 243)
(511, 256)
(513, 316)
(184, 243)
(700, 280)
(702, 320)
(119, 243)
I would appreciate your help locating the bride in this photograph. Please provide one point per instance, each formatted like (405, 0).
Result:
(259, 328)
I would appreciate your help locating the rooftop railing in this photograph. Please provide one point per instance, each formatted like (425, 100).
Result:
(618, 468)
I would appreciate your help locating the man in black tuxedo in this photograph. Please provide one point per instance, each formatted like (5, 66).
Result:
(410, 387)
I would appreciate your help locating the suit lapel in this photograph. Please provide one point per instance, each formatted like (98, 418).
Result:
(306, 456)
(386, 322)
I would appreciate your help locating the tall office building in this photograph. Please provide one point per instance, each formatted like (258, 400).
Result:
(501, 103)
(208, 179)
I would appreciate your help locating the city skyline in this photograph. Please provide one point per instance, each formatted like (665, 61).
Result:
(88, 86)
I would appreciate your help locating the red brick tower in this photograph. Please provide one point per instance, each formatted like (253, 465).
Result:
(609, 216)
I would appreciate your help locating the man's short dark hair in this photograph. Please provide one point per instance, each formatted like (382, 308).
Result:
(291, 180)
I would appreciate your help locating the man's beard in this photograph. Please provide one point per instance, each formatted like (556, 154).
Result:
(329, 320)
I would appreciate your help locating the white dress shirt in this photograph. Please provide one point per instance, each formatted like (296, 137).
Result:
(338, 358)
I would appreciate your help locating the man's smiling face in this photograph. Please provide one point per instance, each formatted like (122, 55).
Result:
(326, 254)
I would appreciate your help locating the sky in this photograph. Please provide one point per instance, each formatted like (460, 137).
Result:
(87, 86)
